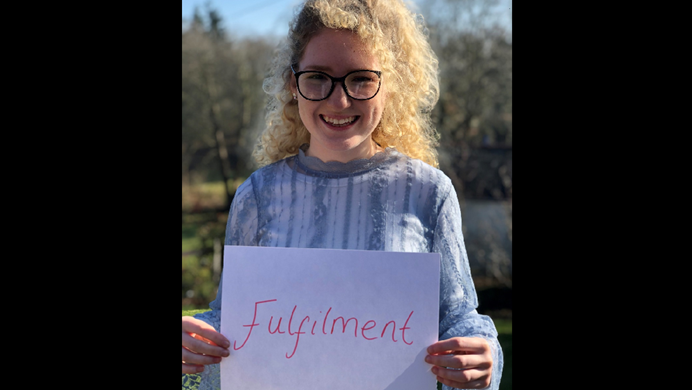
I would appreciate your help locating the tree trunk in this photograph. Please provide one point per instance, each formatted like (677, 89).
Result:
(219, 138)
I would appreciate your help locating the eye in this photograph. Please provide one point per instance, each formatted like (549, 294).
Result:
(364, 78)
(315, 76)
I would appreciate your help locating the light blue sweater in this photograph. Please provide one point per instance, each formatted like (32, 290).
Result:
(389, 202)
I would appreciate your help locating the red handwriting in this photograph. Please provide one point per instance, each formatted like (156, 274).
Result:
(369, 325)
(385, 328)
(363, 329)
(277, 326)
(252, 325)
(403, 330)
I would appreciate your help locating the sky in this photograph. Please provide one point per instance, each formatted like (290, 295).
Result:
(248, 17)
(262, 17)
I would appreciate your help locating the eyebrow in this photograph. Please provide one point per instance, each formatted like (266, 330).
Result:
(327, 69)
(318, 67)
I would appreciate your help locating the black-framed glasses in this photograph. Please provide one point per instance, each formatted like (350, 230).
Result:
(358, 85)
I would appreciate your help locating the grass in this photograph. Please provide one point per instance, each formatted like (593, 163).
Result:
(504, 326)
(190, 239)
(504, 330)
(209, 194)
(193, 312)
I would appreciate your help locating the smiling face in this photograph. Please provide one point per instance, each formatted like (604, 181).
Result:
(340, 127)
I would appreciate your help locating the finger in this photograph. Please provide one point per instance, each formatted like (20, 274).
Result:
(198, 345)
(458, 361)
(190, 357)
(463, 379)
(192, 369)
(479, 384)
(201, 328)
(455, 344)
(459, 344)
(202, 338)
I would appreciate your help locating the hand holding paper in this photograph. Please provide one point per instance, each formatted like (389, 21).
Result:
(462, 362)
(202, 345)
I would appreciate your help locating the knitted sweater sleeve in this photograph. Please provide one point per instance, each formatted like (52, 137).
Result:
(458, 299)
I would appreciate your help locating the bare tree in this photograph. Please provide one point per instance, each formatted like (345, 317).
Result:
(474, 117)
(222, 100)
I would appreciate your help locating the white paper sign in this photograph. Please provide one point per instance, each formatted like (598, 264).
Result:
(328, 319)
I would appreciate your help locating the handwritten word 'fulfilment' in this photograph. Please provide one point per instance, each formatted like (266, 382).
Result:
(367, 327)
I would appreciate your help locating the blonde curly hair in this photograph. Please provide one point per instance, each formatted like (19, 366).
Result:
(398, 38)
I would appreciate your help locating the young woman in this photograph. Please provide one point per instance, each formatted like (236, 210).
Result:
(348, 162)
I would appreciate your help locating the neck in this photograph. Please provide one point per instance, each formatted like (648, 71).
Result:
(364, 151)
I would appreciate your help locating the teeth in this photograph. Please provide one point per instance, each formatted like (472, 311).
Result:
(338, 121)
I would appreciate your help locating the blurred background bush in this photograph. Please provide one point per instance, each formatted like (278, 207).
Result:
(222, 114)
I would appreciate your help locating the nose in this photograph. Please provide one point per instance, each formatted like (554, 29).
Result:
(338, 99)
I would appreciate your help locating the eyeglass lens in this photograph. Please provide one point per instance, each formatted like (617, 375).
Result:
(360, 85)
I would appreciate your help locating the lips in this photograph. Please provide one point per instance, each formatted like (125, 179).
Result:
(341, 121)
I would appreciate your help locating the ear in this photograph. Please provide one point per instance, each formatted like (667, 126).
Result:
(292, 86)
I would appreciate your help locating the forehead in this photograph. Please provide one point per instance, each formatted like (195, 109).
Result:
(337, 51)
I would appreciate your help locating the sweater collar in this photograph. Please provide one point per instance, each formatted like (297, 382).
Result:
(315, 166)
